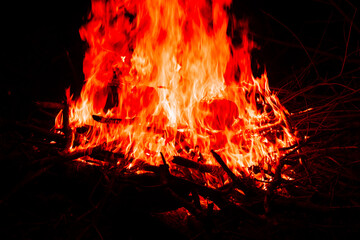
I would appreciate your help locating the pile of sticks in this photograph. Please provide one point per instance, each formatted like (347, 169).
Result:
(178, 199)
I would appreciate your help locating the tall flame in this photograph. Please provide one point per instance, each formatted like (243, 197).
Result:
(165, 76)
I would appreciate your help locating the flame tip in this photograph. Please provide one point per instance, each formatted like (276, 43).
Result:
(166, 77)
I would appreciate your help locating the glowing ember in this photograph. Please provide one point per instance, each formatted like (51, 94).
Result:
(164, 76)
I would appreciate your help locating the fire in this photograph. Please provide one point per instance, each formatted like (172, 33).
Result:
(165, 76)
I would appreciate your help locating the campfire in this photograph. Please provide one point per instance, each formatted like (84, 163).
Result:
(166, 84)
(176, 121)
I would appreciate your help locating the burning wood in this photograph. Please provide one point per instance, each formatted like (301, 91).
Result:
(51, 105)
(111, 120)
(204, 168)
(142, 98)
(172, 123)
(174, 91)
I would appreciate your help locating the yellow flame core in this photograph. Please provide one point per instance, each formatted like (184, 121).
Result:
(169, 74)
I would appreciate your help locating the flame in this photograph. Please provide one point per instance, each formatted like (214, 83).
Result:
(166, 76)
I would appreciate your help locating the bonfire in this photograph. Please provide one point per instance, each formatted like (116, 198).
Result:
(176, 121)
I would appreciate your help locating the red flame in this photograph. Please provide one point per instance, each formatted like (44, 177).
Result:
(164, 76)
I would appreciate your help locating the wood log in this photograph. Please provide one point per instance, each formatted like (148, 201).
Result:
(107, 156)
(220, 198)
(241, 185)
(204, 168)
(42, 131)
(66, 126)
(101, 119)
(50, 105)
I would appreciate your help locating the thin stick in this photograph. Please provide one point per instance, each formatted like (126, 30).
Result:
(163, 158)
(40, 130)
(347, 44)
(50, 105)
(101, 119)
(296, 37)
(204, 168)
(233, 177)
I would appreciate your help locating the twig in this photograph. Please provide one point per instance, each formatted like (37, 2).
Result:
(233, 177)
(101, 119)
(277, 178)
(66, 126)
(204, 168)
(163, 159)
(344, 15)
(40, 130)
(51, 105)
(297, 38)
(347, 44)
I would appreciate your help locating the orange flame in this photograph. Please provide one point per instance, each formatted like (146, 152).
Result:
(165, 76)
